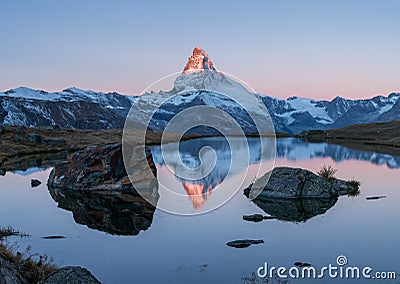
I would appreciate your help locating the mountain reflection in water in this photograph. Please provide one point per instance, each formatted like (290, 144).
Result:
(199, 190)
(227, 160)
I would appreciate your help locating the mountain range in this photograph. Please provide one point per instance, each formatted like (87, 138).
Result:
(199, 84)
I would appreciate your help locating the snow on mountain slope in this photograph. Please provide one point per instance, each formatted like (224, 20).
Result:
(72, 108)
(199, 84)
(88, 109)
(26, 93)
(298, 114)
(307, 105)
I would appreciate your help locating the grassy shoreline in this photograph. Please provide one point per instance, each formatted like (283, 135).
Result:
(26, 266)
(381, 137)
(17, 144)
(17, 148)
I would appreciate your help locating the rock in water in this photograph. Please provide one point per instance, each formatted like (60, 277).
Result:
(243, 243)
(70, 274)
(102, 168)
(95, 186)
(253, 218)
(294, 194)
(35, 182)
(375, 197)
(257, 218)
(302, 264)
(53, 237)
(285, 182)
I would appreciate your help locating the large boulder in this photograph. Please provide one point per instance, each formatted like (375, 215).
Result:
(285, 182)
(102, 168)
(296, 195)
(95, 186)
(70, 274)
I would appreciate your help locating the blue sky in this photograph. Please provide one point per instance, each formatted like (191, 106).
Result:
(317, 49)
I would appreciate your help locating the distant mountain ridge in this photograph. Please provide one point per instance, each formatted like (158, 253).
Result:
(199, 84)
(80, 109)
(70, 108)
(295, 115)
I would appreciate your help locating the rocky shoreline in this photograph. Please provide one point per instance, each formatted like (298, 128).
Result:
(23, 147)
(23, 267)
(381, 137)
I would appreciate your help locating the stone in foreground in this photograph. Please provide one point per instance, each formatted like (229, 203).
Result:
(243, 243)
(70, 274)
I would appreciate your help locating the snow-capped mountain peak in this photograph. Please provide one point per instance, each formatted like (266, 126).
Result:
(199, 61)
(71, 108)
(199, 83)
(200, 74)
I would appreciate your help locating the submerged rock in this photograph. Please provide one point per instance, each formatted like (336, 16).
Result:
(375, 197)
(302, 264)
(70, 274)
(243, 243)
(53, 237)
(256, 217)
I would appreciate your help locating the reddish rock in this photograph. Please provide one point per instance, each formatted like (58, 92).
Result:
(199, 61)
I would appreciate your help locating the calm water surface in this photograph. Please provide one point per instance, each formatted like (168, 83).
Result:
(179, 249)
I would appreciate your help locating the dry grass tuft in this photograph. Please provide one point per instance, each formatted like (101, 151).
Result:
(31, 266)
(327, 172)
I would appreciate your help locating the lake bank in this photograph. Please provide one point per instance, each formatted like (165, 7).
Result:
(382, 137)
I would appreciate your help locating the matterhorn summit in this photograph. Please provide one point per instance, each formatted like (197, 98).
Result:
(199, 61)
(218, 103)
